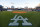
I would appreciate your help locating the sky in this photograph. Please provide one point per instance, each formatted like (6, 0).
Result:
(19, 3)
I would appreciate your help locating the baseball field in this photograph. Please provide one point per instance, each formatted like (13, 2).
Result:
(32, 16)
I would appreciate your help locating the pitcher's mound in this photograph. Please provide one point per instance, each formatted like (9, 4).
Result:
(19, 12)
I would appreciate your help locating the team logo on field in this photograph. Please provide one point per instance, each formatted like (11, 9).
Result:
(25, 23)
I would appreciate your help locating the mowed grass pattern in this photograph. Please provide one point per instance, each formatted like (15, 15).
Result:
(33, 17)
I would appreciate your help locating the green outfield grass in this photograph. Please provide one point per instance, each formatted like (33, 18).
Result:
(33, 17)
